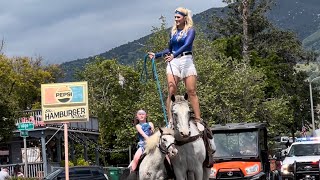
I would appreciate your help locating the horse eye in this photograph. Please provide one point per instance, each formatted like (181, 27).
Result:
(164, 139)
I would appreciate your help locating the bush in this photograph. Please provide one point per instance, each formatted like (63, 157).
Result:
(82, 162)
(62, 163)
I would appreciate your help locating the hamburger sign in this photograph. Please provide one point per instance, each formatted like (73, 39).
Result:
(64, 102)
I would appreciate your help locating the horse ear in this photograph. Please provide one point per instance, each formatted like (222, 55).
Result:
(161, 131)
(173, 98)
(186, 96)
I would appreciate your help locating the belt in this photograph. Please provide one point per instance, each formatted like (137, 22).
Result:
(184, 54)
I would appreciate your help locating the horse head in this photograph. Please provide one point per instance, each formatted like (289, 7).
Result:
(181, 114)
(167, 141)
(162, 139)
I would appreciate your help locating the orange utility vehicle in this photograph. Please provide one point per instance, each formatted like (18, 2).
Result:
(241, 152)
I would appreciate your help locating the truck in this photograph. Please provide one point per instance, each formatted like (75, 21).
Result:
(242, 152)
(302, 160)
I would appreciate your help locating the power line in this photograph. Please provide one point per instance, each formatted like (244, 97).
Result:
(79, 140)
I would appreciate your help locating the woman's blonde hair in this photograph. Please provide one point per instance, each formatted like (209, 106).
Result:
(188, 22)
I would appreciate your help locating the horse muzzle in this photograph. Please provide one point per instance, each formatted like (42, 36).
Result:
(173, 151)
(185, 133)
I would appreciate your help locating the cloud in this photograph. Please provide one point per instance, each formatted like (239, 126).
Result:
(63, 30)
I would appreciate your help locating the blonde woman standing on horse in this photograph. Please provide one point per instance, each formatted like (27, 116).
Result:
(180, 65)
(144, 129)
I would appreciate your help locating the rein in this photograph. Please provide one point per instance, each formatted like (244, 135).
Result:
(155, 76)
(165, 150)
(190, 139)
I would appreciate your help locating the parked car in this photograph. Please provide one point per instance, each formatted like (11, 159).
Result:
(79, 173)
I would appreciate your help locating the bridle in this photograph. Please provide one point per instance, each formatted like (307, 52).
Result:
(164, 149)
(175, 124)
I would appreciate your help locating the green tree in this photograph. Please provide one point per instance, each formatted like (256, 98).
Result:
(275, 53)
(112, 102)
(21, 79)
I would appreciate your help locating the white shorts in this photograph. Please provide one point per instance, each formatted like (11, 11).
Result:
(182, 67)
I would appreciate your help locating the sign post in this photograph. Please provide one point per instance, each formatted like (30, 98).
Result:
(25, 157)
(64, 103)
(24, 127)
(66, 150)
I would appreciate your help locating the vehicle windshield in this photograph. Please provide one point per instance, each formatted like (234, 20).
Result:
(236, 144)
(304, 150)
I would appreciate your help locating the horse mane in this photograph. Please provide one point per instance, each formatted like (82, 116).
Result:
(153, 141)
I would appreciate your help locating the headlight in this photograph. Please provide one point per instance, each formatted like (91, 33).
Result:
(213, 172)
(252, 169)
(285, 168)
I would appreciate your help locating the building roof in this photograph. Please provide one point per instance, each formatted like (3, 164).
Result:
(238, 126)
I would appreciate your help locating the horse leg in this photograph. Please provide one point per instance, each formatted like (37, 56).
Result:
(206, 173)
(198, 172)
(180, 175)
(191, 176)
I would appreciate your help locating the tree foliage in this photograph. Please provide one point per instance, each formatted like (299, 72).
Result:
(273, 52)
(21, 79)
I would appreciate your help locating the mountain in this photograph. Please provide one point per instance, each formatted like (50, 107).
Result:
(299, 16)
(312, 42)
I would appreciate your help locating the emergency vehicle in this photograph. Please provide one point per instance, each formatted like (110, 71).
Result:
(302, 160)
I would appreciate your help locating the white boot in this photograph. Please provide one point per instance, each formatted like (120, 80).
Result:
(200, 126)
(170, 124)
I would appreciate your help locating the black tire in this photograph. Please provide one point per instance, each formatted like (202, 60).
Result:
(133, 176)
(264, 177)
(125, 174)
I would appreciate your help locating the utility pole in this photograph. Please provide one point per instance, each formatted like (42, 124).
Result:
(25, 157)
(311, 102)
(130, 154)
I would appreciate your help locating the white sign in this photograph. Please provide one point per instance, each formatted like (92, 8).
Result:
(65, 102)
(33, 154)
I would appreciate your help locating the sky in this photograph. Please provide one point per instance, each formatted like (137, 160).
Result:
(66, 30)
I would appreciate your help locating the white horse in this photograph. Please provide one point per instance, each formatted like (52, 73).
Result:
(188, 163)
(157, 147)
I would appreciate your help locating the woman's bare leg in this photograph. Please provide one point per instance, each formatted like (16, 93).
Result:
(191, 86)
(172, 90)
